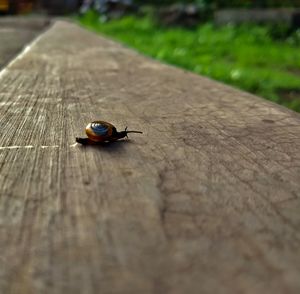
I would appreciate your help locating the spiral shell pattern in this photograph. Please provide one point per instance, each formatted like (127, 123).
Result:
(99, 131)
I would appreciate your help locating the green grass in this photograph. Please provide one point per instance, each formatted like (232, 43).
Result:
(245, 56)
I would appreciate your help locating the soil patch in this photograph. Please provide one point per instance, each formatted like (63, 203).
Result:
(289, 94)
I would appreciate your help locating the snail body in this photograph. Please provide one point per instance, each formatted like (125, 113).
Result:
(101, 131)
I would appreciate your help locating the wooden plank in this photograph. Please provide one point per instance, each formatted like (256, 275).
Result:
(205, 201)
(15, 32)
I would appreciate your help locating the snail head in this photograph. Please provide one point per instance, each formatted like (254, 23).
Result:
(124, 133)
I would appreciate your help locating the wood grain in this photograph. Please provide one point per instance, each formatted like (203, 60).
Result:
(205, 201)
(15, 32)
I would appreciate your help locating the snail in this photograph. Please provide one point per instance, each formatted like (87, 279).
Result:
(101, 131)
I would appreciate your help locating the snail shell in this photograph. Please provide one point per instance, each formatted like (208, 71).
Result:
(100, 131)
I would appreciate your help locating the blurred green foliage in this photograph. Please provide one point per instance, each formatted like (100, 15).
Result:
(243, 56)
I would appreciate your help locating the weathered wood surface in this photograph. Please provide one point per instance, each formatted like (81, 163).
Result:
(205, 201)
(15, 32)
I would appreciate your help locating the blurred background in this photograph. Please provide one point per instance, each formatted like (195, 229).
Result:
(249, 44)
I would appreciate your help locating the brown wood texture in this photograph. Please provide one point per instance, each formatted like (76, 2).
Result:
(205, 201)
(15, 32)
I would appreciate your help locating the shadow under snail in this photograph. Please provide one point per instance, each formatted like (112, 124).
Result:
(101, 131)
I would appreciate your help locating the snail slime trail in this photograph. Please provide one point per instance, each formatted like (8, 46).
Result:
(32, 147)
(16, 147)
